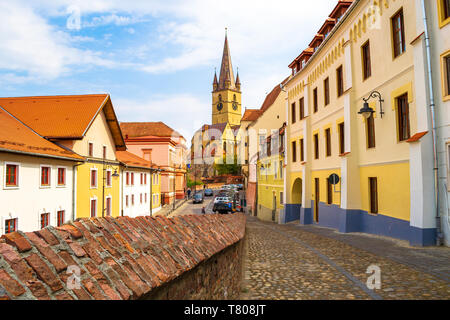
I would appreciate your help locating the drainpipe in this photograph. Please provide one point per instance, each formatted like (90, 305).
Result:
(74, 189)
(433, 122)
(151, 192)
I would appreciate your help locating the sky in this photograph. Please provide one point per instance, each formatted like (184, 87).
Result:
(156, 58)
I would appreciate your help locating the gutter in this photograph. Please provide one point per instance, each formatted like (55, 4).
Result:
(439, 235)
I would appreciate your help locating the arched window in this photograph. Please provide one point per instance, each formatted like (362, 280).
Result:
(234, 97)
(220, 97)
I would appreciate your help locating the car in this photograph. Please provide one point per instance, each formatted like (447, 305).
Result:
(240, 186)
(198, 198)
(222, 199)
(208, 192)
(223, 207)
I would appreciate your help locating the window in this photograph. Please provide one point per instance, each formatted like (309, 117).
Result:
(142, 179)
(93, 208)
(45, 176)
(12, 171)
(443, 12)
(132, 178)
(108, 178)
(126, 200)
(45, 219)
(398, 34)
(104, 152)
(403, 117)
(328, 141)
(91, 149)
(302, 108)
(445, 69)
(60, 218)
(281, 169)
(315, 101)
(108, 206)
(61, 176)
(341, 138)
(373, 190)
(93, 178)
(340, 81)
(141, 198)
(293, 112)
(326, 91)
(281, 197)
(329, 192)
(365, 53)
(316, 146)
(10, 225)
(128, 178)
(132, 199)
(302, 150)
(294, 151)
(145, 178)
(370, 128)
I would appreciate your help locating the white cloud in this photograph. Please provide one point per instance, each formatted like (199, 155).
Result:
(30, 45)
(184, 113)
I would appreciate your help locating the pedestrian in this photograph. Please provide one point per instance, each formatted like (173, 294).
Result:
(189, 193)
(203, 210)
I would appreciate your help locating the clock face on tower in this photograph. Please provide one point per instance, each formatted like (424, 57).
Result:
(219, 106)
(235, 106)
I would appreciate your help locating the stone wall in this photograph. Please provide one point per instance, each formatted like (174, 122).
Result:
(186, 257)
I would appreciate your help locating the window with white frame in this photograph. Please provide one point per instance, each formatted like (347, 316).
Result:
(93, 178)
(45, 176)
(11, 175)
(108, 178)
(61, 177)
(108, 208)
(93, 207)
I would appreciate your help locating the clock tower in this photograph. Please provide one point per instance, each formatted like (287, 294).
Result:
(226, 94)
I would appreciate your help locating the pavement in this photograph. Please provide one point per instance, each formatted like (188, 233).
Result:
(294, 262)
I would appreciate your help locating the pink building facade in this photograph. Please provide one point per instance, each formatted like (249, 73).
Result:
(163, 146)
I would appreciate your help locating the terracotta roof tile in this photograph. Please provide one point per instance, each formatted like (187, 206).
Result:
(16, 137)
(250, 115)
(133, 160)
(63, 117)
(143, 129)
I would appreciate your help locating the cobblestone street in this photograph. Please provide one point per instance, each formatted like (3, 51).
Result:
(305, 262)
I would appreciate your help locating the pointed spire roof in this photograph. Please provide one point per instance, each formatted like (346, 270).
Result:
(226, 78)
(215, 77)
(238, 81)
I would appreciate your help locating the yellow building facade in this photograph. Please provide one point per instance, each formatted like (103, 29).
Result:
(366, 51)
(266, 132)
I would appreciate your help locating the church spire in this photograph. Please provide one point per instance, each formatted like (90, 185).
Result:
(215, 83)
(238, 81)
(226, 78)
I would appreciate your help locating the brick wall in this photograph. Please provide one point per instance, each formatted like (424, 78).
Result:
(126, 258)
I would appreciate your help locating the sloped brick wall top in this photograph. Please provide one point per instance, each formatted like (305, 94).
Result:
(117, 258)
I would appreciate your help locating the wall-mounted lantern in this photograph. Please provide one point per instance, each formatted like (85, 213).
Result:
(367, 111)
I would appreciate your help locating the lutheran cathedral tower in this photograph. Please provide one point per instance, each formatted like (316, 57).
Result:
(226, 94)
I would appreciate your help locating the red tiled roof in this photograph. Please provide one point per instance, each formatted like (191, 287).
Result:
(250, 115)
(142, 129)
(16, 137)
(132, 160)
(63, 117)
(137, 255)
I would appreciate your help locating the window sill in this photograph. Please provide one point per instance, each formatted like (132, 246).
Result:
(11, 188)
(416, 137)
(344, 154)
(45, 187)
(61, 186)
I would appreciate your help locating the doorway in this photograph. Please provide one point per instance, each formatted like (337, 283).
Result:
(316, 199)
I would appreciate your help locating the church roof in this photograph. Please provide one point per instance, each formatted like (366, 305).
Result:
(226, 78)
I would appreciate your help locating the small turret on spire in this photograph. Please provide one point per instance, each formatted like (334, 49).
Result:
(215, 82)
(238, 82)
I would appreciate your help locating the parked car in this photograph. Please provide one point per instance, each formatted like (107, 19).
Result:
(198, 198)
(208, 192)
(240, 186)
(223, 205)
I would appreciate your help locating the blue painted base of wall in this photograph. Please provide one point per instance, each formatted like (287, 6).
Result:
(291, 212)
(345, 221)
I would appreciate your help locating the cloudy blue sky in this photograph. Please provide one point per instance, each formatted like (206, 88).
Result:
(156, 58)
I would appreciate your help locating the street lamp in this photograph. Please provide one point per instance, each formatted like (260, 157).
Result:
(367, 111)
